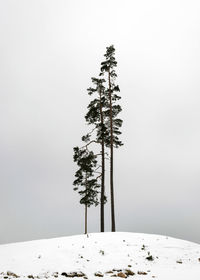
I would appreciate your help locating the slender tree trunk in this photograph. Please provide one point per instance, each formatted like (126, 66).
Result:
(111, 159)
(86, 208)
(103, 169)
(85, 219)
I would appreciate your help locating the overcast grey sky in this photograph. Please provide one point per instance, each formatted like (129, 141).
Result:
(49, 50)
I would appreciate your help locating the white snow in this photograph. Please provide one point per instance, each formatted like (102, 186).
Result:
(173, 259)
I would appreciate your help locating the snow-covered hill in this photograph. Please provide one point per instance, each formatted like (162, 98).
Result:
(106, 255)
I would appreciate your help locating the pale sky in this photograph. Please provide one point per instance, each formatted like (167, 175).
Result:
(49, 50)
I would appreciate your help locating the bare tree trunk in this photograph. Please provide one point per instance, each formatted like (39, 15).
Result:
(86, 206)
(103, 169)
(85, 219)
(111, 160)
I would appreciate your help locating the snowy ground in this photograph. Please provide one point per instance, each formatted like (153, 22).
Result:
(106, 255)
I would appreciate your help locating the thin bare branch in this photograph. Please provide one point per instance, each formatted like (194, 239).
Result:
(98, 176)
(93, 141)
(97, 172)
(97, 168)
(92, 131)
(98, 154)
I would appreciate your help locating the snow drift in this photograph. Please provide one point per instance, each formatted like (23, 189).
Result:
(105, 255)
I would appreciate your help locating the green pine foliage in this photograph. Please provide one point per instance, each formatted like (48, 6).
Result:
(93, 116)
(85, 183)
(108, 67)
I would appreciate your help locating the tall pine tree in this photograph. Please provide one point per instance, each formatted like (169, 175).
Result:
(113, 109)
(96, 116)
